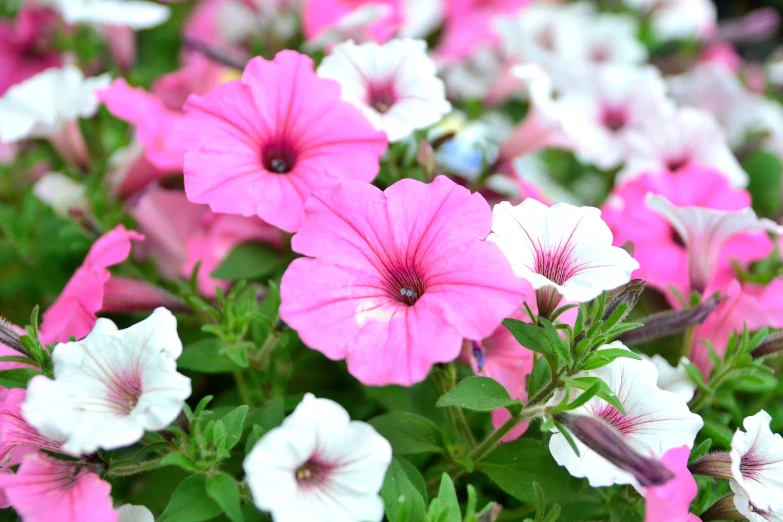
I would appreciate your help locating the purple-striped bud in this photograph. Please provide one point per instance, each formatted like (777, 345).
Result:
(717, 465)
(772, 344)
(10, 338)
(723, 509)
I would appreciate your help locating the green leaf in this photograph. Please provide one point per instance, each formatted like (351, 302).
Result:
(205, 356)
(223, 490)
(251, 261)
(181, 460)
(701, 450)
(603, 357)
(604, 392)
(695, 374)
(445, 507)
(234, 422)
(408, 433)
(477, 393)
(585, 396)
(269, 416)
(403, 501)
(414, 475)
(190, 502)
(256, 432)
(530, 336)
(514, 466)
(17, 378)
(561, 347)
(539, 377)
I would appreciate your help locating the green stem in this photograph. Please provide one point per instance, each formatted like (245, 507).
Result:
(244, 392)
(714, 384)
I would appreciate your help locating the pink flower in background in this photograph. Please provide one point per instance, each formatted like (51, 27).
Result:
(396, 279)
(321, 15)
(672, 501)
(721, 54)
(662, 256)
(181, 234)
(261, 145)
(745, 303)
(17, 437)
(26, 45)
(198, 75)
(46, 489)
(705, 231)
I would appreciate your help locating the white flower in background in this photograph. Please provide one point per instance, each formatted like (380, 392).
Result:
(475, 76)
(670, 142)
(394, 84)
(421, 17)
(611, 38)
(562, 247)
(353, 26)
(705, 230)
(745, 508)
(607, 103)
(136, 14)
(42, 105)
(673, 378)
(654, 422)
(238, 21)
(60, 192)
(111, 386)
(131, 513)
(757, 464)
(319, 465)
(679, 19)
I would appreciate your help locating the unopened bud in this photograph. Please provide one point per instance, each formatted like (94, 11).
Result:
(671, 322)
(10, 338)
(491, 514)
(478, 354)
(425, 157)
(604, 440)
(717, 465)
(772, 344)
(628, 295)
(547, 300)
(723, 509)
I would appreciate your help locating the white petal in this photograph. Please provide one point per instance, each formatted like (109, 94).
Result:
(761, 477)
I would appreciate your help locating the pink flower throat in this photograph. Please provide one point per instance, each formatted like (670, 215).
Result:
(404, 285)
(278, 158)
(381, 96)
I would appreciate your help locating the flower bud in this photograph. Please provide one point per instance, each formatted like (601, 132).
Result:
(604, 440)
(478, 354)
(723, 509)
(629, 295)
(10, 338)
(772, 344)
(547, 300)
(671, 322)
(425, 157)
(717, 465)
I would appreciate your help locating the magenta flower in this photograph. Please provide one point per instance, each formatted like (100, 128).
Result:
(661, 252)
(672, 501)
(26, 45)
(46, 489)
(320, 16)
(261, 145)
(396, 279)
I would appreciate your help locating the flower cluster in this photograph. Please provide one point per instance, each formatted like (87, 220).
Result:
(367, 260)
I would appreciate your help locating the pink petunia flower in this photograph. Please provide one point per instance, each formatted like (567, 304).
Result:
(671, 502)
(180, 234)
(17, 437)
(396, 279)
(321, 15)
(26, 45)
(261, 145)
(92, 289)
(46, 489)
(662, 255)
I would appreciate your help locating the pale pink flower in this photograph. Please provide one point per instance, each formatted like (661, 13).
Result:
(46, 489)
(672, 501)
(198, 75)
(680, 19)
(322, 15)
(393, 84)
(396, 279)
(658, 247)
(722, 54)
(671, 142)
(17, 437)
(26, 46)
(705, 231)
(131, 171)
(261, 145)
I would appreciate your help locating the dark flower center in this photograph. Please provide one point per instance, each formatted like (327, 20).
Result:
(279, 159)
(614, 118)
(675, 238)
(313, 472)
(676, 164)
(405, 285)
(382, 97)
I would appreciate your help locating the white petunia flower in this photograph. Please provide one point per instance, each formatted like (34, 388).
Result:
(319, 465)
(757, 465)
(673, 379)
(394, 84)
(111, 386)
(654, 422)
(41, 106)
(352, 26)
(744, 506)
(562, 247)
(671, 142)
(60, 192)
(679, 19)
(705, 230)
(131, 513)
(136, 14)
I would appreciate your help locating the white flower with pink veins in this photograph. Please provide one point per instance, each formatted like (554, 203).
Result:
(679, 19)
(319, 465)
(394, 84)
(110, 387)
(757, 467)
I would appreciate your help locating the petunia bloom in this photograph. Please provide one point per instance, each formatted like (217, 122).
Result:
(563, 250)
(261, 145)
(111, 386)
(61, 193)
(45, 489)
(672, 501)
(704, 231)
(683, 19)
(136, 14)
(396, 279)
(321, 16)
(654, 422)
(131, 513)
(757, 464)
(17, 437)
(26, 45)
(393, 84)
(319, 465)
(673, 378)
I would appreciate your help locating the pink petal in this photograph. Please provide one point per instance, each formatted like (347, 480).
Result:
(671, 502)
